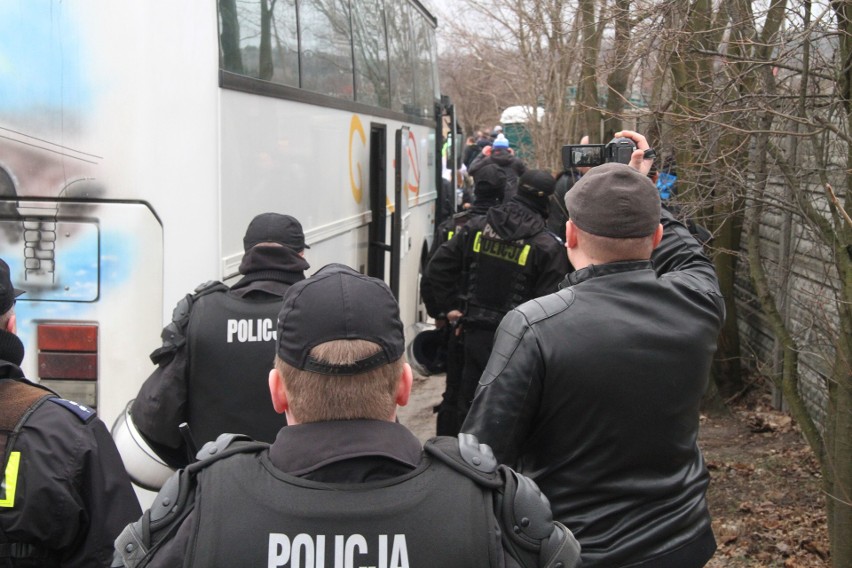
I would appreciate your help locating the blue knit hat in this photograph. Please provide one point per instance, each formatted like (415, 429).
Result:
(501, 141)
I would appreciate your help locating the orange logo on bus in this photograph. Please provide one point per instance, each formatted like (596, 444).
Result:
(357, 185)
(413, 165)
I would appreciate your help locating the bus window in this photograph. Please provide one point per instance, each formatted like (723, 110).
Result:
(371, 54)
(326, 47)
(401, 60)
(424, 77)
(259, 39)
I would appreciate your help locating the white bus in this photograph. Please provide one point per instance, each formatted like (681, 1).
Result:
(139, 138)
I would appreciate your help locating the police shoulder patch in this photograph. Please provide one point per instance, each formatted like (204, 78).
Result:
(83, 412)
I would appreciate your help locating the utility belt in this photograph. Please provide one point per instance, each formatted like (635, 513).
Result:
(30, 554)
(482, 317)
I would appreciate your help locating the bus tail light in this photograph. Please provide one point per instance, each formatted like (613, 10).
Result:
(68, 351)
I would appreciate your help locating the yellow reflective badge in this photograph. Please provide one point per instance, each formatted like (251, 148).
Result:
(10, 480)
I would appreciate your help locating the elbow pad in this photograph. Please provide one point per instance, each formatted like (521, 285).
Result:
(531, 535)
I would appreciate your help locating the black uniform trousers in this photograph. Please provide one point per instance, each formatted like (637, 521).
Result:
(477, 349)
(449, 421)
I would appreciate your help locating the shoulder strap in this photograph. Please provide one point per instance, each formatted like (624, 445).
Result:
(174, 334)
(467, 456)
(176, 499)
(20, 400)
(81, 411)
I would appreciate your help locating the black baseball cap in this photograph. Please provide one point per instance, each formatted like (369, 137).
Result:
(275, 228)
(537, 183)
(8, 293)
(339, 303)
(489, 181)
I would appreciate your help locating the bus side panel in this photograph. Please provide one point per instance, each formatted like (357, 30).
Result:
(100, 265)
(313, 162)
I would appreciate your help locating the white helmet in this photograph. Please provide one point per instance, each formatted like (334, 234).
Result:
(145, 468)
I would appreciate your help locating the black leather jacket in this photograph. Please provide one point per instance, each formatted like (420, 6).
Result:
(594, 392)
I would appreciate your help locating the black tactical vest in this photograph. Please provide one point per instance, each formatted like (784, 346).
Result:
(231, 347)
(431, 517)
(498, 277)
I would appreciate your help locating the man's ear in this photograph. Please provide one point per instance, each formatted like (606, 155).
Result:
(278, 392)
(570, 234)
(658, 235)
(12, 324)
(403, 390)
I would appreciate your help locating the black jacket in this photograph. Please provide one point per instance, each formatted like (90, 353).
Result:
(594, 392)
(446, 230)
(70, 496)
(161, 404)
(557, 212)
(512, 221)
(512, 166)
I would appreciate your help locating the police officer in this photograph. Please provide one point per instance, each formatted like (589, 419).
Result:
(489, 186)
(64, 495)
(344, 483)
(218, 349)
(496, 262)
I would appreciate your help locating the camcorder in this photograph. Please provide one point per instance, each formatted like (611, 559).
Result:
(591, 155)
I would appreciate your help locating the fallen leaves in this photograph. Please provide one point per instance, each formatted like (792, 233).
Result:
(765, 492)
(769, 422)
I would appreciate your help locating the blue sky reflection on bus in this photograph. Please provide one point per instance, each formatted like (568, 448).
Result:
(89, 263)
(40, 64)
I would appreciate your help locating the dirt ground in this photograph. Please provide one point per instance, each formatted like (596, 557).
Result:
(765, 491)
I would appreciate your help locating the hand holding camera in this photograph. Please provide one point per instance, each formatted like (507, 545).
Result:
(627, 147)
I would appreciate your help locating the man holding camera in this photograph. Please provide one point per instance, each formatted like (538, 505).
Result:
(594, 391)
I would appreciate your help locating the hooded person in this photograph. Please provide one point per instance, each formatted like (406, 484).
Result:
(500, 154)
(212, 366)
(489, 187)
(498, 261)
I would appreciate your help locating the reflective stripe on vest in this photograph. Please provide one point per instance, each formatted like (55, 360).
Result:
(500, 249)
(10, 480)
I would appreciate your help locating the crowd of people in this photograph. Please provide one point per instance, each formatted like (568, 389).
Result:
(577, 354)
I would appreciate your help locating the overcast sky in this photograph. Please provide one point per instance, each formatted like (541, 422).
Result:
(439, 8)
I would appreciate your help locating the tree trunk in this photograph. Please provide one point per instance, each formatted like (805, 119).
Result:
(589, 117)
(616, 81)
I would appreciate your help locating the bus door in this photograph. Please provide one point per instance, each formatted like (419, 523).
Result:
(386, 208)
(402, 160)
(378, 247)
